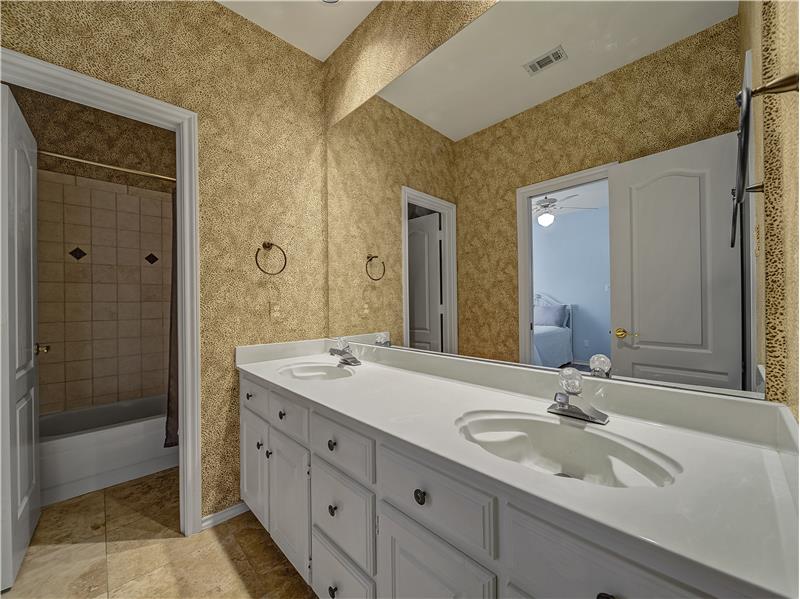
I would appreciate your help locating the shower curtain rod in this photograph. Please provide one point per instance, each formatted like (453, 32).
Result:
(110, 166)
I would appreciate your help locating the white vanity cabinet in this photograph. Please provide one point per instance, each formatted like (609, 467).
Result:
(254, 475)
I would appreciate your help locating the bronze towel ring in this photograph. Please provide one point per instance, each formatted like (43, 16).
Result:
(268, 246)
(370, 258)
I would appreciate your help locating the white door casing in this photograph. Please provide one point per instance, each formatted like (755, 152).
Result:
(424, 283)
(675, 279)
(19, 412)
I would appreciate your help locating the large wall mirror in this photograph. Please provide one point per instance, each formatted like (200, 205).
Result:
(552, 183)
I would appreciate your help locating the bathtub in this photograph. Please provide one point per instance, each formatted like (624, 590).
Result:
(86, 450)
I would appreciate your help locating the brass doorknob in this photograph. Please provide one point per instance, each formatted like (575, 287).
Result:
(40, 349)
(620, 333)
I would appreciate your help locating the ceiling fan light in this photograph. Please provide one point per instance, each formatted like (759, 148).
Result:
(545, 219)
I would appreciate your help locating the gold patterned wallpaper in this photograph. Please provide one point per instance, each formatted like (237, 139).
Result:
(372, 153)
(392, 39)
(261, 171)
(72, 129)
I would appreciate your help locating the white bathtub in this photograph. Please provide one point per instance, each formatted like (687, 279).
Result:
(86, 450)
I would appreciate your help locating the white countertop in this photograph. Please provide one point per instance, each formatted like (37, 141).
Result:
(731, 508)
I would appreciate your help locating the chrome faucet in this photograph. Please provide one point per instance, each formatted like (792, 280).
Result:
(346, 358)
(571, 382)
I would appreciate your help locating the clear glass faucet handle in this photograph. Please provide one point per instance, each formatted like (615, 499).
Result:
(341, 343)
(601, 363)
(570, 381)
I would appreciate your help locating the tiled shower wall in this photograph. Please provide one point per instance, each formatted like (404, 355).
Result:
(105, 257)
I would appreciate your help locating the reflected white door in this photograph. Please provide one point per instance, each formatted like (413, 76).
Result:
(424, 283)
(675, 279)
(19, 427)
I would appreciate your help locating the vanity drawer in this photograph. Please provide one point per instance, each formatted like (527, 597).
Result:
(345, 511)
(545, 561)
(346, 448)
(335, 576)
(254, 397)
(288, 416)
(453, 509)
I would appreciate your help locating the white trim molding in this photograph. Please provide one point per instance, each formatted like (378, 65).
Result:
(525, 244)
(449, 266)
(40, 76)
(224, 515)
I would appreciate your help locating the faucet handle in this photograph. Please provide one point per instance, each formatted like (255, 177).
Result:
(600, 365)
(342, 344)
(570, 381)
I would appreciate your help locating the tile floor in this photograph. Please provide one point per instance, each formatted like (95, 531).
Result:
(124, 541)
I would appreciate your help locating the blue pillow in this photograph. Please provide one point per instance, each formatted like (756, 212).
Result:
(552, 316)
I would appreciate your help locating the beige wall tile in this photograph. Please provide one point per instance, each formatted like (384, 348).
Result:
(151, 206)
(128, 221)
(78, 292)
(103, 367)
(129, 364)
(129, 310)
(50, 231)
(151, 293)
(131, 346)
(78, 196)
(50, 211)
(104, 385)
(54, 177)
(130, 382)
(50, 191)
(152, 345)
(104, 185)
(104, 273)
(51, 271)
(149, 193)
(150, 242)
(101, 236)
(104, 255)
(79, 350)
(51, 373)
(52, 393)
(51, 292)
(128, 257)
(54, 354)
(50, 251)
(151, 274)
(128, 293)
(129, 328)
(101, 400)
(128, 239)
(104, 348)
(127, 203)
(77, 273)
(104, 329)
(77, 311)
(78, 234)
(104, 292)
(51, 407)
(79, 393)
(152, 327)
(129, 273)
(78, 370)
(51, 332)
(152, 379)
(166, 209)
(104, 311)
(77, 215)
(153, 361)
(104, 218)
(166, 229)
(77, 331)
(152, 310)
(105, 200)
(51, 311)
(150, 224)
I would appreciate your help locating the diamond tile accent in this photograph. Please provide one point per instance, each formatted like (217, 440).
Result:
(151, 258)
(77, 253)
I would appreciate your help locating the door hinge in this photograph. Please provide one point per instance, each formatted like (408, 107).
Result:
(377, 525)
(308, 472)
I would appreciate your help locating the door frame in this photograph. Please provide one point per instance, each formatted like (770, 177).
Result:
(25, 71)
(525, 243)
(449, 267)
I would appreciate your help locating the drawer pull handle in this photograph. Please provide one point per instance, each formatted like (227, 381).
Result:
(259, 445)
(332, 592)
(332, 510)
(248, 395)
(420, 496)
(282, 414)
(331, 444)
(605, 596)
(269, 453)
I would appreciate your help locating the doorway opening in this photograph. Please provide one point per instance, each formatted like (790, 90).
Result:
(430, 320)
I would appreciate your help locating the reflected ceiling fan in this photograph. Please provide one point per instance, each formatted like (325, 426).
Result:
(546, 208)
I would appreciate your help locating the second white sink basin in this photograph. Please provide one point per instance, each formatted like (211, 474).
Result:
(570, 450)
(311, 371)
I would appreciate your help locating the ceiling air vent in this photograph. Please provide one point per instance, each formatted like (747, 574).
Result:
(545, 60)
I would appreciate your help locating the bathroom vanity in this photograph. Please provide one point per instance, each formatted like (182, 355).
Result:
(417, 475)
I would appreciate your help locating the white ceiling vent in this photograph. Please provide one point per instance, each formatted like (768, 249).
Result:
(545, 60)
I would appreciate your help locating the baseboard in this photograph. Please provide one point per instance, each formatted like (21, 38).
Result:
(223, 515)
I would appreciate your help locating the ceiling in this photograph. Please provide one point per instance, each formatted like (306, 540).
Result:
(315, 27)
(476, 78)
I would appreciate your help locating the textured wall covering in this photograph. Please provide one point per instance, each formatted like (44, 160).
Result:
(678, 95)
(71, 129)
(261, 171)
(372, 153)
(392, 39)
(779, 57)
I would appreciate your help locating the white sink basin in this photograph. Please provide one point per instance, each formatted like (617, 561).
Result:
(311, 371)
(576, 450)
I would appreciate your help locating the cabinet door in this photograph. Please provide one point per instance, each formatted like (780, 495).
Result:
(289, 491)
(413, 562)
(254, 479)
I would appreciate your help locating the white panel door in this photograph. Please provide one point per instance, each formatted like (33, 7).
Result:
(254, 480)
(413, 563)
(675, 279)
(289, 490)
(19, 413)
(424, 283)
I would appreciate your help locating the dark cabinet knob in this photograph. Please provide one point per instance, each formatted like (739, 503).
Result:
(281, 414)
(269, 453)
(420, 496)
(332, 592)
(248, 395)
(332, 510)
(331, 444)
(259, 445)
(605, 596)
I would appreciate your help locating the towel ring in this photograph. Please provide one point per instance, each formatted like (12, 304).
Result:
(370, 258)
(268, 246)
